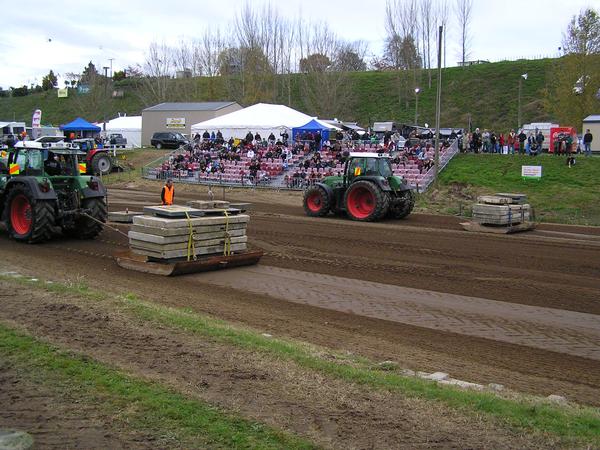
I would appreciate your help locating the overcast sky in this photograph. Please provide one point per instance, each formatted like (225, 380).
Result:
(64, 35)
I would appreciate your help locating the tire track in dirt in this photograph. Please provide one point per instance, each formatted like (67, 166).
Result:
(567, 332)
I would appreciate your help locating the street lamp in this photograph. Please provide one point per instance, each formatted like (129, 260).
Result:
(417, 90)
(521, 78)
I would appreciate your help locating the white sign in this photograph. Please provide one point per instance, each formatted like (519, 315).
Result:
(531, 171)
(175, 122)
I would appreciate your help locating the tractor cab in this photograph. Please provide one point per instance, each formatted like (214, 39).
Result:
(44, 159)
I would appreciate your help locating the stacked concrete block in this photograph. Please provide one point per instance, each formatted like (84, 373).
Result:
(166, 233)
(501, 209)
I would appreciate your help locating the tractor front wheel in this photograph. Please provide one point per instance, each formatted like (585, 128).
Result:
(29, 220)
(101, 164)
(90, 227)
(316, 202)
(366, 202)
(401, 210)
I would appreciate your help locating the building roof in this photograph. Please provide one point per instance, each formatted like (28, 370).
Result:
(594, 118)
(200, 106)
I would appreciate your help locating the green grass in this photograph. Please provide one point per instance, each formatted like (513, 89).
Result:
(562, 195)
(487, 93)
(139, 404)
(567, 422)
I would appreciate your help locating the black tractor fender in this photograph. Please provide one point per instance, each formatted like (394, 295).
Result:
(34, 186)
(88, 192)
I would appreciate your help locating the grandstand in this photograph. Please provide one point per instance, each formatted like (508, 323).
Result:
(296, 171)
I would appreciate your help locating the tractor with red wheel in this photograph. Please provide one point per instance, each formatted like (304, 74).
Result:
(367, 191)
(44, 192)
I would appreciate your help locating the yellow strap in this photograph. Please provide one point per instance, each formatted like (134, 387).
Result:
(227, 247)
(191, 247)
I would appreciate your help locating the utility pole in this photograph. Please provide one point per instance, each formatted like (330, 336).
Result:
(438, 107)
(105, 95)
(417, 90)
(111, 71)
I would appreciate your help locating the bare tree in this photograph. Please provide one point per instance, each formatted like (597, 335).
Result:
(464, 11)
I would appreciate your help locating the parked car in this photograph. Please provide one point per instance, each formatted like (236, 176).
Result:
(168, 139)
(117, 140)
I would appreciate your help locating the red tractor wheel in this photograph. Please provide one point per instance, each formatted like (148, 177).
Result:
(316, 202)
(20, 214)
(29, 220)
(366, 202)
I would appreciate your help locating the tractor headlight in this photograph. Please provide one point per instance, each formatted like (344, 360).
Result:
(93, 184)
(44, 185)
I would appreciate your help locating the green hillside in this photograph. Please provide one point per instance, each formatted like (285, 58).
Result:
(563, 195)
(486, 92)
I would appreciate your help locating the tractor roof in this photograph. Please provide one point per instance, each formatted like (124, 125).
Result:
(367, 155)
(56, 147)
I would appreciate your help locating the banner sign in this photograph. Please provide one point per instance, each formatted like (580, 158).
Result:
(531, 172)
(36, 124)
(175, 122)
(63, 93)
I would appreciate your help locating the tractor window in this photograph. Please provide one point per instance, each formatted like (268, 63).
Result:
(356, 167)
(385, 170)
(34, 162)
(372, 167)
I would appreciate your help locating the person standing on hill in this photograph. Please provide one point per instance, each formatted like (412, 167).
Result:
(168, 193)
(522, 138)
(587, 143)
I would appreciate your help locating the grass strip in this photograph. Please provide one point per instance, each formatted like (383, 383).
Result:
(568, 422)
(562, 195)
(141, 404)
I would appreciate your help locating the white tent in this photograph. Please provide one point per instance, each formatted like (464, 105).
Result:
(263, 118)
(129, 126)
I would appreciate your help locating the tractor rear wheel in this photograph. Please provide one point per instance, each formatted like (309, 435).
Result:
(87, 228)
(401, 210)
(366, 202)
(29, 220)
(316, 202)
(101, 164)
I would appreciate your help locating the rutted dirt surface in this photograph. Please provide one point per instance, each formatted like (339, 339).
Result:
(55, 419)
(328, 412)
(554, 268)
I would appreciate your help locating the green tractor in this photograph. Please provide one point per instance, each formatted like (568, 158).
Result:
(368, 191)
(43, 192)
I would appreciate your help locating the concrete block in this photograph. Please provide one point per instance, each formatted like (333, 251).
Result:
(208, 204)
(201, 251)
(557, 399)
(165, 222)
(168, 210)
(493, 200)
(198, 237)
(123, 216)
(157, 231)
(436, 376)
(242, 206)
(134, 243)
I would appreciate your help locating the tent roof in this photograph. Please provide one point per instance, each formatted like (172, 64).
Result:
(125, 123)
(259, 116)
(313, 125)
(79, 124)
(197, 106)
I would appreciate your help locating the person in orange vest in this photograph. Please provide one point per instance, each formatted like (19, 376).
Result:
(168, 193)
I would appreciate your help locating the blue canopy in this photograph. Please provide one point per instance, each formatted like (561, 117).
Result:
(313, 126)
(80, 124)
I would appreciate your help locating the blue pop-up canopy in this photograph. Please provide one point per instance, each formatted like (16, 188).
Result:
(312, 126)
(80, 124)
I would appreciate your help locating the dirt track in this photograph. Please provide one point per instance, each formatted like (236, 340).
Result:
(552, 273)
